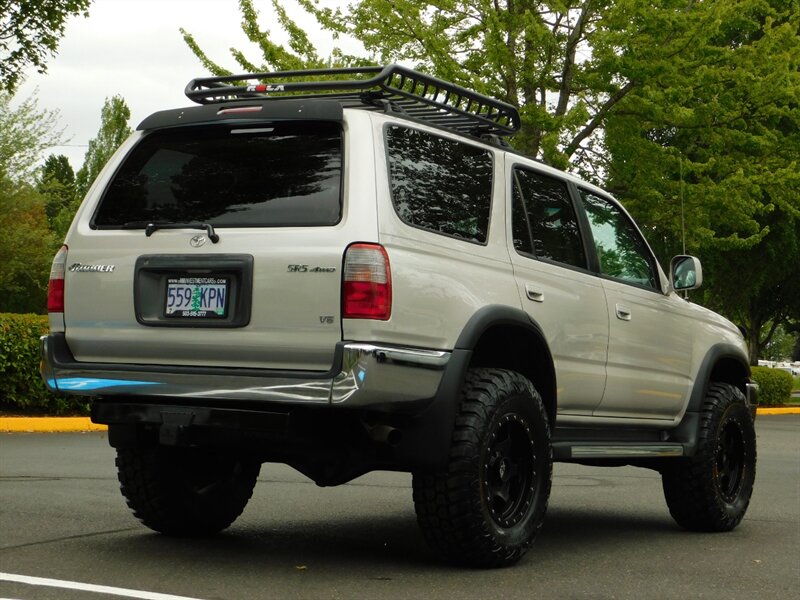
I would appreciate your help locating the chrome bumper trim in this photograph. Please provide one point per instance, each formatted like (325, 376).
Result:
(752, 393)
(375, 375)
(751, 388)
(370, 376)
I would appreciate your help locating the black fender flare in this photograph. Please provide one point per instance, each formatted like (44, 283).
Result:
(492, 316)
(497, 314)
(688, 429)
(713, 357)
(438, 420)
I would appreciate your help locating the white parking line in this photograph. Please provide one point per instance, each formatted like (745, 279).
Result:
(89, 587)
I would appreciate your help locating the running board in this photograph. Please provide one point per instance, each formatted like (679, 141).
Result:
(567, 450)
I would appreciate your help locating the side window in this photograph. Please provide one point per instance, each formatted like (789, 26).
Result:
(440, 184)
(622, 252)
(543, 219)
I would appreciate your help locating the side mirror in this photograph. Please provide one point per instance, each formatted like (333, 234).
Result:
(685, 273)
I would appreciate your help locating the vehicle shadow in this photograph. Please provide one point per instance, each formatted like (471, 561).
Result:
(565, 528)
(377, 544)
(393, 539)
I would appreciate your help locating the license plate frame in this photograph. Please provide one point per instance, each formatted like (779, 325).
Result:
(198, 298)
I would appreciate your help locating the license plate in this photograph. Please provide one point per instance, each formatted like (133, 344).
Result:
(197, 297)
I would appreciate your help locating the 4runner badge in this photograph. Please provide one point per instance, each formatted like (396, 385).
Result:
(79, 268)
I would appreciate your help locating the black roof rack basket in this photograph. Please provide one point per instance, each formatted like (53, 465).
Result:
(416, 94)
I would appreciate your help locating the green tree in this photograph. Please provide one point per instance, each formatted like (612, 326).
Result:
(25, 132)
(114, 130)
(301, 53)
(26, 248)
(26, 244)
(57, 183)
(30, 31)
(566, 64)
(714, 151)
(781, 345)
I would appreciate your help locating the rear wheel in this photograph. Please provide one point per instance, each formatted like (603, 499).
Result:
(488, 506)
(711, 490)
(185, 491)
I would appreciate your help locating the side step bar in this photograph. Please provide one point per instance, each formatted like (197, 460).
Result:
(584, 450)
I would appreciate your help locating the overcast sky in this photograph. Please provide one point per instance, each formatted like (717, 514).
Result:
(134, 48)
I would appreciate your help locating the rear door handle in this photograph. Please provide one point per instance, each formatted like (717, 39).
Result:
(623, 312)
(534, 294)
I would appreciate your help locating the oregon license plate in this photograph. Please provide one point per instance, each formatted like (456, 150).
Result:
(197, 297)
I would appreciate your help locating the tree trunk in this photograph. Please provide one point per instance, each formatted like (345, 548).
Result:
(753, 339)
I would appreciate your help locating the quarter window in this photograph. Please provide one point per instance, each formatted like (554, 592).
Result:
(440, 184)
(544, 223)
(622, 252)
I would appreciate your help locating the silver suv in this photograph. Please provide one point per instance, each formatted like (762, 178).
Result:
(356, 273)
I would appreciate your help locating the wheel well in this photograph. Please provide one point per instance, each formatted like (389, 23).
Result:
(520, 350)
(724, 363)
(729, 370)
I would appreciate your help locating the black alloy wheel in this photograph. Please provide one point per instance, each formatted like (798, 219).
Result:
(509, 471)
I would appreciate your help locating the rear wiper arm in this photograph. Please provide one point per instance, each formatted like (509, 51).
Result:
(134, 224)
(153, 227)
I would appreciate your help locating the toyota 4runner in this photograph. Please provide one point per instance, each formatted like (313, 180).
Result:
(349, 270)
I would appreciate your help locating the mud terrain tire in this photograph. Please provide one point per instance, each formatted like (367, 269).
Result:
(486, 508)
(185, 491)
(711, 490)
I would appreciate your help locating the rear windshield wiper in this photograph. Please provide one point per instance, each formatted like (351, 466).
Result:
(133, 225)
(153, 227)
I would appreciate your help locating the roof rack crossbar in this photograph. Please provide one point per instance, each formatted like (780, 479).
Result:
(423, 96)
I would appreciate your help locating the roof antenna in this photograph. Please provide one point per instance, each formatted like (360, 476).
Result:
(683, 227)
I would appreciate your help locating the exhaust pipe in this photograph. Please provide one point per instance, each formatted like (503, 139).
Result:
(385, 434)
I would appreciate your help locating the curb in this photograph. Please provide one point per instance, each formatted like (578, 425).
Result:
(84, 424)
(779, 410)
(48, 424)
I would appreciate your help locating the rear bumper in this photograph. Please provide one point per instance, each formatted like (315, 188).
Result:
(363, 376)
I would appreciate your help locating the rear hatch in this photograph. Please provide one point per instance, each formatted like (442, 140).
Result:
(214, 244)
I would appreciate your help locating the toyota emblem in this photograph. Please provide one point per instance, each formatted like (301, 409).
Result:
(197, 241)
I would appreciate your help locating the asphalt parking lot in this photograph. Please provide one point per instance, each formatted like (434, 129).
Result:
(607, 535)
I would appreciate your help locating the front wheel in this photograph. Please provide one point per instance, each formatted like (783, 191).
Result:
(711, 490)
(185, 491)
(485, 509)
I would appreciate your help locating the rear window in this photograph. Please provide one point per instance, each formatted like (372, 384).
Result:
(282, 174)
(440, 184)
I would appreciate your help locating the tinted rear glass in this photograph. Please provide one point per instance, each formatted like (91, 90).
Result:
(282, 174)
(440, 184)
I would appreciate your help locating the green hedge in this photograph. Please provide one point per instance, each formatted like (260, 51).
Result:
(775, 386)
(21, 387)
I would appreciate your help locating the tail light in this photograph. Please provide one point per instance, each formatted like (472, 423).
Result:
(55, 287)
(367, 283)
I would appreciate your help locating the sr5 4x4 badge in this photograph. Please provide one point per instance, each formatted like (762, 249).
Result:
(307, 269)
